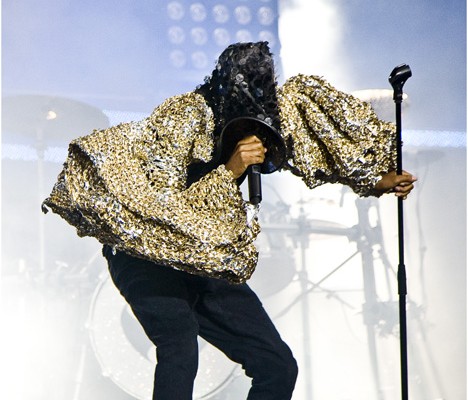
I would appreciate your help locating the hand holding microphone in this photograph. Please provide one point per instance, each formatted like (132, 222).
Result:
(252, 145)
(249, 154)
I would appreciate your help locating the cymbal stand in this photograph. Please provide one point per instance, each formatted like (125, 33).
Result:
(40, 151)
(301, 234)
(304, 282)
(363, 234)
(365, 244)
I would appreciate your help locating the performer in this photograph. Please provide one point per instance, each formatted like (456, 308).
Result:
(177, 234)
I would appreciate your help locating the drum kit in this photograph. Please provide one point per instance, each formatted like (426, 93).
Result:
(119, 344)
(126, 355)
(41, 122)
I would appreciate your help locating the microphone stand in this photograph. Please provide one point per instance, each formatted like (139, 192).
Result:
(397, 79)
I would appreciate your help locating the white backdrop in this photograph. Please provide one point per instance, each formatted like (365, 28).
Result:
(328, 260)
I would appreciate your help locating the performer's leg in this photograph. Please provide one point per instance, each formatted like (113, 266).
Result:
(161, 302)
(232, 318)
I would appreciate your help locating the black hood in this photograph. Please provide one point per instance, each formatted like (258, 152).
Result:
(243, 84)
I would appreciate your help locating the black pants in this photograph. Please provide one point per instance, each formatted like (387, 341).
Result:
(175, 307)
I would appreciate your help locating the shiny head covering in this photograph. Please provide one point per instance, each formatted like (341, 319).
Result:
(241, 92)
(243, 84)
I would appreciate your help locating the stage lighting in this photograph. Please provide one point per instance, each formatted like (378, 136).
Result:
(197, 32)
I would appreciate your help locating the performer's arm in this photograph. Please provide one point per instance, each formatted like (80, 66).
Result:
(334, 137)
(126, 186)
(401, 185)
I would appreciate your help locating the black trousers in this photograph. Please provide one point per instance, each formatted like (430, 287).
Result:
(175, 307)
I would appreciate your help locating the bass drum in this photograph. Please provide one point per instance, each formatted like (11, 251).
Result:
(128, 357)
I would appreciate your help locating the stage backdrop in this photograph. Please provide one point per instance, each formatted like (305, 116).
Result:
(328, 259)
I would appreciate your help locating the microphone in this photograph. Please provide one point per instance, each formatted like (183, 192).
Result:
(237, 129)
(397, 79)
(255, 183)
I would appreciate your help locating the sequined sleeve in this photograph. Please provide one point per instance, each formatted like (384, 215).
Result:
(126, 186)
(334, 137)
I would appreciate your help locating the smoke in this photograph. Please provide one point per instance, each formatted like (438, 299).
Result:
(310, 34)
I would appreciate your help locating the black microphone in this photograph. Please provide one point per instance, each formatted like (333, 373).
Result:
(255, 183)
(397, 79)
(241, 127)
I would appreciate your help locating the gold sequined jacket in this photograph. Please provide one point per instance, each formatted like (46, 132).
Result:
(126, 185)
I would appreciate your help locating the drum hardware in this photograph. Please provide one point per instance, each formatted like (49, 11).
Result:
(380, 317)
(380, 320)
(110, 330)
(53, 119)
(300, 230)
(317, 286)
(365, 246)
(366, 236)
(275, 269)
(304, 227)
(47, 119)
(127, 357)
(136, 346)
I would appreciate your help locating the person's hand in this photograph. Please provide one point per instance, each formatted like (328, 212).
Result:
(248, 151)
(401, 185)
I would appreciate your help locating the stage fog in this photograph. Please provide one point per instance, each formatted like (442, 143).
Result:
(328, 259)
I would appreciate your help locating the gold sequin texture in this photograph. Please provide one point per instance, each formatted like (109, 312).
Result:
(126, 185)
(335, 137)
